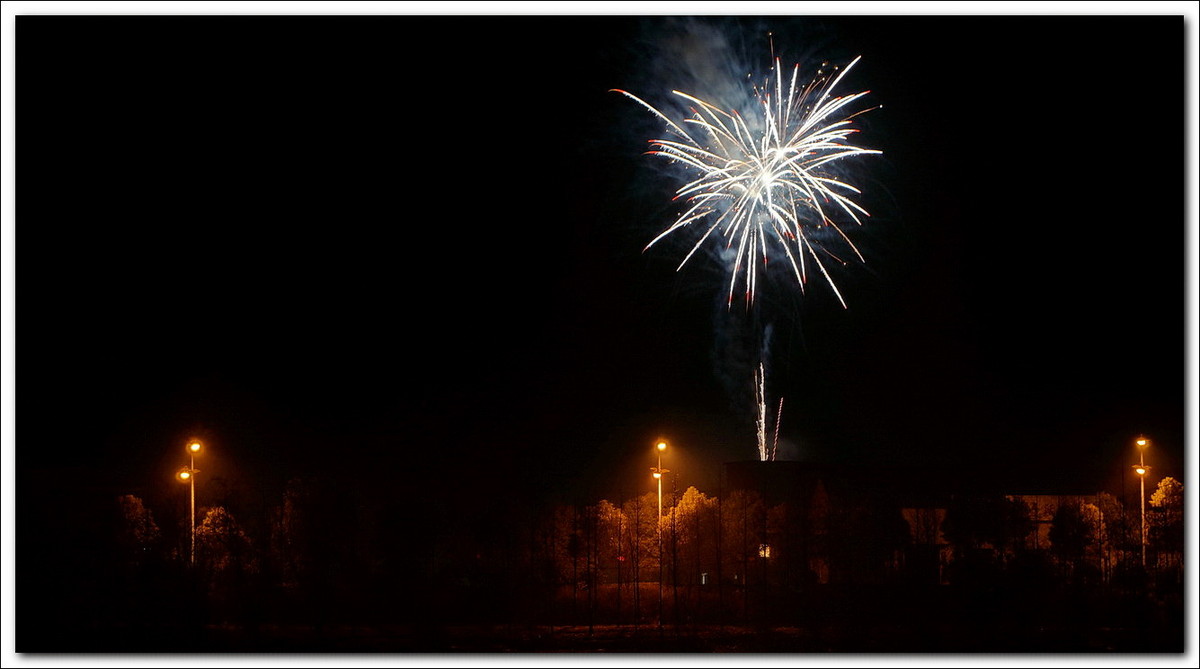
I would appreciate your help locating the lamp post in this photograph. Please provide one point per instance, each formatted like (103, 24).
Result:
(658, 472)
(1141, 469)
(188, 475)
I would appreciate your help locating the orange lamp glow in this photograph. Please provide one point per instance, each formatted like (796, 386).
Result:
(662, 445)
(184, 475)
(1141, 471)
(194, 446)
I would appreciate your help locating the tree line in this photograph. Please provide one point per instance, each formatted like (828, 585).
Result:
(327, 553)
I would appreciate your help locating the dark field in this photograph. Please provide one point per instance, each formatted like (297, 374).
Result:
(884, 620)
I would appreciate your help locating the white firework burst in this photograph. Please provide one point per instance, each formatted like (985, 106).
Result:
(766, 183)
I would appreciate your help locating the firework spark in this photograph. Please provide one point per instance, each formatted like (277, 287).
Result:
(766, 181)
(778, 419)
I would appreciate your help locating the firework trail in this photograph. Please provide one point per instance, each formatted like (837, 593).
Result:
(760, 398)
(765, 181)
(778, 419)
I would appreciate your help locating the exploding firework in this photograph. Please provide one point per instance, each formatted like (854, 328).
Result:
(766, 181)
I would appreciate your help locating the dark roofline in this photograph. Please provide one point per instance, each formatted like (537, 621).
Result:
(920, 486)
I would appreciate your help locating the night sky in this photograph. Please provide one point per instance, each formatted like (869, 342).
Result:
(409, 249)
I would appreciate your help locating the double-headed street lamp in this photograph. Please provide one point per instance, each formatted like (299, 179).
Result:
(658, 472)
(188, 475)
(1141, 470)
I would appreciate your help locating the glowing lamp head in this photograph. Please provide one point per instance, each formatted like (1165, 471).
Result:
(657, 475)
(193, 446)
(184, 475)
(662, 446)
(1142, 441)
(1141, 471)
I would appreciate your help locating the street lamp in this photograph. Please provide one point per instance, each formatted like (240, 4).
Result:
(657, 473)
(188, 475)
(1141, 470)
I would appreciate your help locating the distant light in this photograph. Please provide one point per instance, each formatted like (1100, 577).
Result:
(764, 550)
(657, 475)
(662, 445)
(194, 447)
(184, 475)
(1141, 471)
(1143, 441)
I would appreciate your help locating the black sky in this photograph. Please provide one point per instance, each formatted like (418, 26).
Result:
(413, 244)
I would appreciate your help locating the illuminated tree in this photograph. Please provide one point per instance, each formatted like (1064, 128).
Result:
(694, 536)
(226, 562)
(1169, 499)
(611, 527)
(640, 542)
(222, 547)
(1166, 529)
(645, 532)
(610, 556)
(695, 527)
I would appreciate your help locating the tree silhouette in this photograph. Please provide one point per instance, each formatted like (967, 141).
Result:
(986, 521)
(1117, 534)
(137, 534)
(319, 541)
(1070, 534)
(982, 529)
